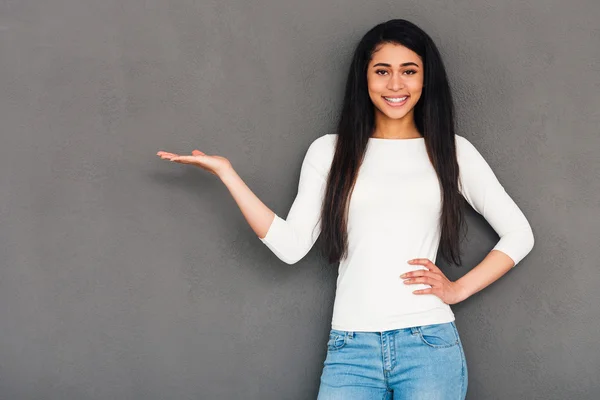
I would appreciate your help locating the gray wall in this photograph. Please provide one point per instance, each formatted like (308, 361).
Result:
(124, 276)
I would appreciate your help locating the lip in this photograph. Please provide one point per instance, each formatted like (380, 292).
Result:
(396, 104)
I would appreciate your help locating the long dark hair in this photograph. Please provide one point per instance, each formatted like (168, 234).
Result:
(434, 119)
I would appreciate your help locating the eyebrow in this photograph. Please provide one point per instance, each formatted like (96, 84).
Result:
(402, 65)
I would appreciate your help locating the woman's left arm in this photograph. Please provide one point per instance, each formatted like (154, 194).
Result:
(490, 269)
(483, 191)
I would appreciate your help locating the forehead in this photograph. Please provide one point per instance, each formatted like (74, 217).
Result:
(394, 54)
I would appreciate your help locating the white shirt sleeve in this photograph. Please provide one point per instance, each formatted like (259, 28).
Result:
(292, 238)
(482, 190)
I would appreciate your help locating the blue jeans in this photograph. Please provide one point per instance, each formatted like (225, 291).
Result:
(419, 363)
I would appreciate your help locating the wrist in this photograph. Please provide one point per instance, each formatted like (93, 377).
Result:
(464, 293)
(226, 174)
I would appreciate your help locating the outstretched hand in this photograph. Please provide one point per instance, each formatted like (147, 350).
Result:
(213, 164)
(450, 292)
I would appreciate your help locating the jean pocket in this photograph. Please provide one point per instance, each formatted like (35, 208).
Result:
(337, 340)
(439, 335)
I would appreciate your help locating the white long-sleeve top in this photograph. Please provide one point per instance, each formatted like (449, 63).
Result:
(394, 216)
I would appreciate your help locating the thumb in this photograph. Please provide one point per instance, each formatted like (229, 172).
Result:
(197, 152)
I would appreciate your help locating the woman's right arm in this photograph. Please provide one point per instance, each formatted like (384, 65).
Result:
(257, 214)
(292, 238)
(289, 239)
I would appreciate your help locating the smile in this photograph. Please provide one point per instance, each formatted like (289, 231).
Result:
(396, 101)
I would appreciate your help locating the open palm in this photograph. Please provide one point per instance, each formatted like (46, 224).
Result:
(213, 164)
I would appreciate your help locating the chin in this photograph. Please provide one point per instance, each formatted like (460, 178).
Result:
(398, 115)
(395, 114)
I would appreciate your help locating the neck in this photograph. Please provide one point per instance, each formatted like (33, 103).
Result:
(401, 128)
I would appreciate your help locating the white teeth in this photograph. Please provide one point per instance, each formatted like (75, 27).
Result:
(395, 99)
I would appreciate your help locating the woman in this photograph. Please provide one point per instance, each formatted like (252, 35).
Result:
(384, 192)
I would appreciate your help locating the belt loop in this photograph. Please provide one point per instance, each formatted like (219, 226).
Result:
(414, 330)
(351, 334)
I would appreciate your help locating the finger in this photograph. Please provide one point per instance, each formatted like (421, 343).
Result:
(418, 272)
(419, 261)
(425, 262)
(168, 157)
(423, 291)
(188, 160)
(425, 280)
(182, 159)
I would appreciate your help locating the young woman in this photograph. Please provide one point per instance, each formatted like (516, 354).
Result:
(384, 192)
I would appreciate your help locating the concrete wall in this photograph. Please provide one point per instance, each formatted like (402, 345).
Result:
(124, 276)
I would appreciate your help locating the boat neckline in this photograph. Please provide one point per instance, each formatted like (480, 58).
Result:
(397, 140)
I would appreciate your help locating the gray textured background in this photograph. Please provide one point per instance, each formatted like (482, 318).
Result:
(124, 276)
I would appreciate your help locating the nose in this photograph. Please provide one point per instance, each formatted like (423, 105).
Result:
(395, 83)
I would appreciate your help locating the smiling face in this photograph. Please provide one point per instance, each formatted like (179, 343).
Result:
(395, 72)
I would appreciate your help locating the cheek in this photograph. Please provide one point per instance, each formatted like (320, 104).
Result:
(375, 92)
(415, 93)
(416, 88)
(376, 87)
(416, 96)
